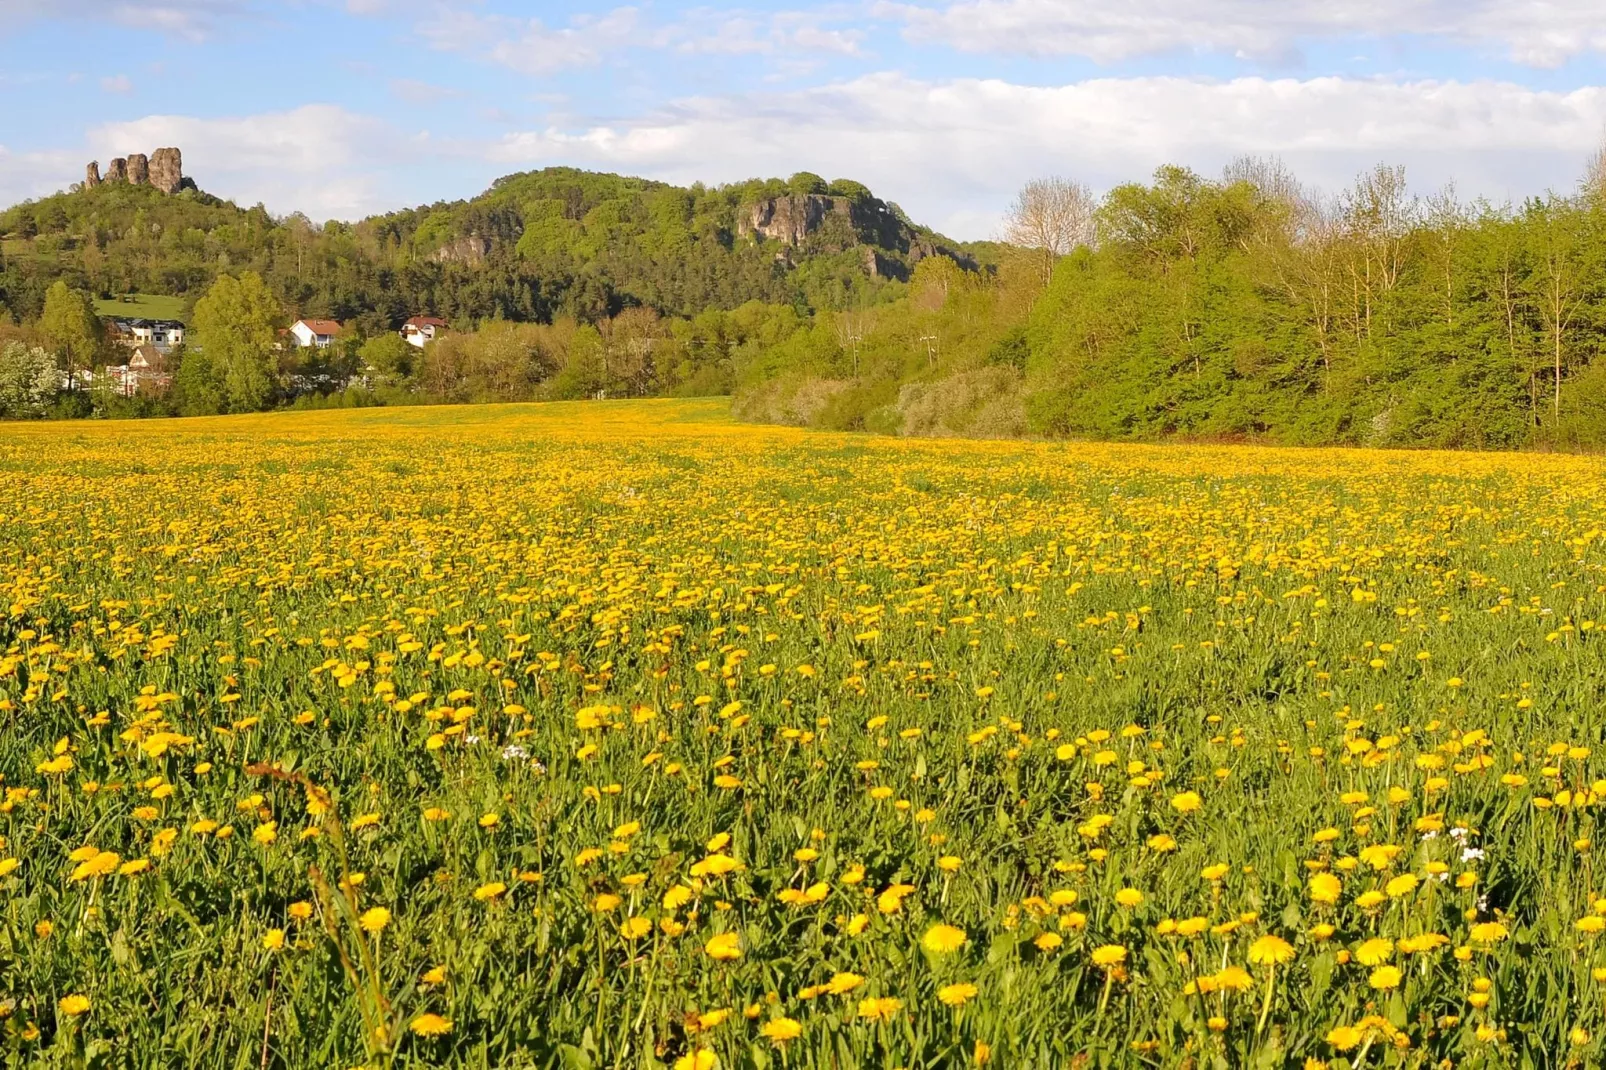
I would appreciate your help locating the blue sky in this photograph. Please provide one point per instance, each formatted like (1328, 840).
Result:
(339, 108)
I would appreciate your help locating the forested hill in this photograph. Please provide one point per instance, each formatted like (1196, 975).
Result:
(534, 247)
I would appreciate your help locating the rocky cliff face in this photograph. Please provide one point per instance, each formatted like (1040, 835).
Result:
(790, 220)
(467, 250)
(163, 170)
(889, 247)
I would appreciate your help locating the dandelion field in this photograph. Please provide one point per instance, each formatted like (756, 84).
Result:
(619, 735)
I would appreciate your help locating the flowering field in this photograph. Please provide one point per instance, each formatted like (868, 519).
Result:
(624, 736)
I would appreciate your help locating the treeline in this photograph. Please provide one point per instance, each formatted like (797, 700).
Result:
(1244, 307)
(239, 357)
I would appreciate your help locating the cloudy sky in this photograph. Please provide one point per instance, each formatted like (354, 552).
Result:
(339, 108)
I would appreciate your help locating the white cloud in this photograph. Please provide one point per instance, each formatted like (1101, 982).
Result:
(530, 46)
(1542, 33)
(25, 175)
(319, 159)
(118, 83)
(783, 33)
(954, 152)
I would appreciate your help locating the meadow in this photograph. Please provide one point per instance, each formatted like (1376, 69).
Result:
(622, 735)
(146, 306)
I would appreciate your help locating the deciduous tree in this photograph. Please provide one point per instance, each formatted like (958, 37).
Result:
(236, 325)
(1052, 215)
(72, 328)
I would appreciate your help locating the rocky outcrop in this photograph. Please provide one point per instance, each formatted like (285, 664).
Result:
(790, 220)
(467, 250)
(888, 247)
(163, 170)
(922, 248)
(167, 170)
(879, 267)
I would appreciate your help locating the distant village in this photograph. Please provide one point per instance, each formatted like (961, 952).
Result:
(149, 342)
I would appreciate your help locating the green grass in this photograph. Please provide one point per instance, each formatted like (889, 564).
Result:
(145, 306)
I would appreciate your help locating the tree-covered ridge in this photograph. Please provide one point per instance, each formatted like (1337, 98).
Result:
(534, 247)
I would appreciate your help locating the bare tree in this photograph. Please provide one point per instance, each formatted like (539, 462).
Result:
(850, 327)
(1269, 175)
(1447, 220)
(1594, 180)
(1052, 215)
(628, 343)
(1379, 213)
(1308, 270)
(1296, 210)
(1558, 283)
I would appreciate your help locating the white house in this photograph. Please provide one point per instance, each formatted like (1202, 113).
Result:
(309, 333)
(422, 329)
(165, 335)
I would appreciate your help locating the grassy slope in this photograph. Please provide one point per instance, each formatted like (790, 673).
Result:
(148, 306)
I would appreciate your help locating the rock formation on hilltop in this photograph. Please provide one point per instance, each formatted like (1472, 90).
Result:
(163, 170)
(789, 220)
(888, 246)
(167, 170)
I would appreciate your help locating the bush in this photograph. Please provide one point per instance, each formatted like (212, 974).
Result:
(984, 402)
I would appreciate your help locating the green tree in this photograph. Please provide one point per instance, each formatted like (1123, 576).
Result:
(584, 373)
(236, 326)
(197, 385)
(389, 356)
(806, 182)
(73, 330)
(853, 191)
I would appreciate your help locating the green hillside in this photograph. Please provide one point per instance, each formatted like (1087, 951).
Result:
(534, 247)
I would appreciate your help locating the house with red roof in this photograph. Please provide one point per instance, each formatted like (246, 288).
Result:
(422, 329)
(314, 333)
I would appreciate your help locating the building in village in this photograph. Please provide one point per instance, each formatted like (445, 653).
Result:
(309, 334)
(145, 375)
(165, 335)
(421, 330)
